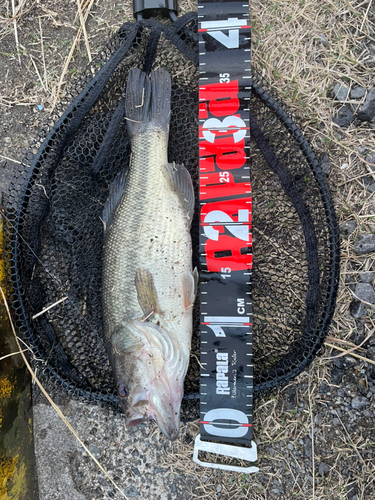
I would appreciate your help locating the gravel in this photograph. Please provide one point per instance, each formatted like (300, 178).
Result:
(371, 160)
(365, 244)
(369, 184)
(357, 93)
(367, 111)
(324, 469)
(336, 375)
(344, 116)
(367, 277)
(365, 292)
(325, 164)
(340, 92)
(358, 402)
(348, 227)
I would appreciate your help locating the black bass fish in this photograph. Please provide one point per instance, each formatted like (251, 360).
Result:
(149, 286)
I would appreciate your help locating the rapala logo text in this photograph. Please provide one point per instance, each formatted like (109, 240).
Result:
(222, 367)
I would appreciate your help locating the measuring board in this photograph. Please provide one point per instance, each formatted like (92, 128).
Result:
(226, 380)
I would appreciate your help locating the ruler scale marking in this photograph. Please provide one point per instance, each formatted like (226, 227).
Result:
(224, 34)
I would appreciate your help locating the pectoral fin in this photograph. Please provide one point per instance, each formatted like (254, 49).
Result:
(189, 288)
(146, 292)
(180, 181)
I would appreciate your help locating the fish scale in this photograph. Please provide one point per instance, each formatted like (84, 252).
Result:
(159, 217)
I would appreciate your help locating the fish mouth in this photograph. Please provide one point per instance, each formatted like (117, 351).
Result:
(169, 423)
(165, 404)
(136, 416)
(135, 420)
(162, 406)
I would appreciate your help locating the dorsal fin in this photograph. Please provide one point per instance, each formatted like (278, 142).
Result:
(116, 192)
(180, 181)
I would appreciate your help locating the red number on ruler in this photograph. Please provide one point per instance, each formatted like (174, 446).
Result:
(221, 249)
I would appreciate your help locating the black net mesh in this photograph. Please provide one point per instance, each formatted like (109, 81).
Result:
(55, 232)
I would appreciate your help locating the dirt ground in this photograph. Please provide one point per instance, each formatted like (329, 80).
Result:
(316, 435)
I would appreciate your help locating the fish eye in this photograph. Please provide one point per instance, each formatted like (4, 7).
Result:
(121, 391)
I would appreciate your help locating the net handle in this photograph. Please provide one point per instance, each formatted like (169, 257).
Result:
(142, 9)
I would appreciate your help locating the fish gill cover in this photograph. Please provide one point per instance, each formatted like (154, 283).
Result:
(55, 232)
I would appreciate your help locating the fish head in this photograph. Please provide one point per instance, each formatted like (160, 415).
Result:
(149, 369)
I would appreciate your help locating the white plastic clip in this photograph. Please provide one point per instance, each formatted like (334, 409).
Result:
(249, 454)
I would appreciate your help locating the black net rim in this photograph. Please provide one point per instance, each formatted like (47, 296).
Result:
(307, 350)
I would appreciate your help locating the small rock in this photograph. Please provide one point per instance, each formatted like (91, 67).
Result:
(348, 227)
(291, 397)
(325, 163)
(337, 361)
(351, 491)
(276, 491)
(365, 243)
(290, 446)
(336, 375)
(367, 277)
(350, 281)
(361, 327)
(308, 448)
(362, 150)
(318, 419)
(357, 309)
(204, 479)
(370, 353)
(324, 388)
(371, 160)
(340, 92)
(324, 40)
(344, 116)
(357, 93)
(349, 362)
(358, 339)
(3, 163)
(324, 469)
(218, 488)
(135, 471)
(130, 492)
(335, 421)
(158, 470)
(358, 402)
(365, 292)
(369, 183)
(95, 450)
(8, 140)
(371, 375)
(367, 111)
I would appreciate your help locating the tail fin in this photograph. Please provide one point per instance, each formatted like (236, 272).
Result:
(148, 100)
